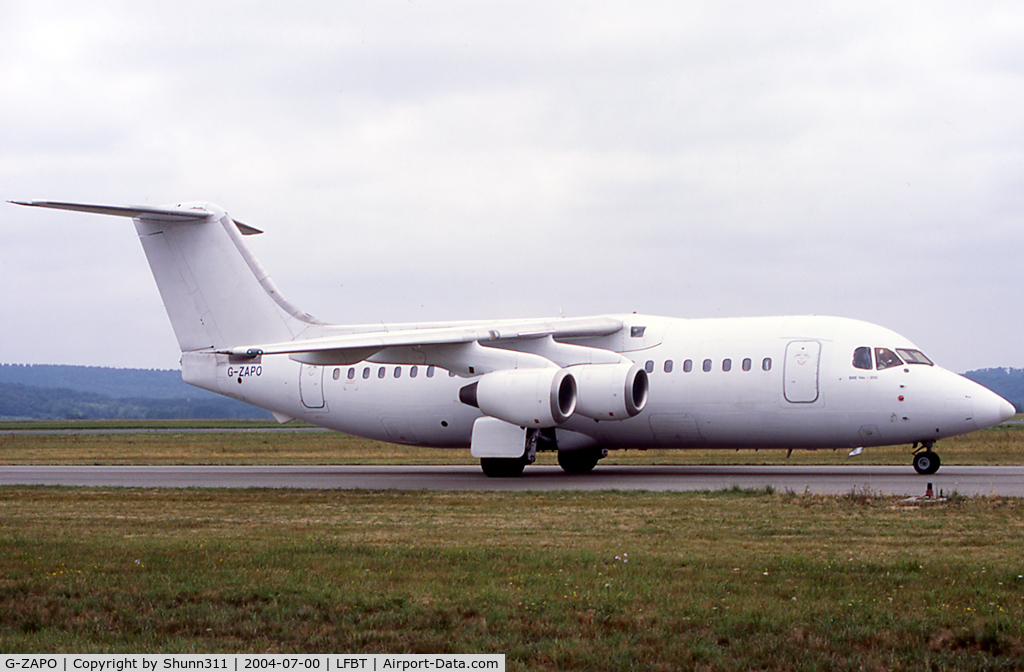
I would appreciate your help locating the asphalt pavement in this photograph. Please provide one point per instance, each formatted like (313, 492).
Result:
(888, 480)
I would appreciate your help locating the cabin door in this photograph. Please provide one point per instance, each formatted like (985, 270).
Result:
(800, 384)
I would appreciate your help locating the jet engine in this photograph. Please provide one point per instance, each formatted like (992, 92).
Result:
(525, 397)
(610, 391)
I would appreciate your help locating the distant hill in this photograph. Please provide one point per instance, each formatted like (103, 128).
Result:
(54, 391)
(117, 383)
(1007, 383)
(51, 403)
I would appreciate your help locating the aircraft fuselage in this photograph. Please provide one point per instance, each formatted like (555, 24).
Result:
(760, 382)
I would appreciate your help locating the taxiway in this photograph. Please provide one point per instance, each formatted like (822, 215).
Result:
(985, 480)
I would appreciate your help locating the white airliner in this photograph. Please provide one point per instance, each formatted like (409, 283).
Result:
(580, 386)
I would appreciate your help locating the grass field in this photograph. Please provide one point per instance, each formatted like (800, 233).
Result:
(999, 445)
(732, 580)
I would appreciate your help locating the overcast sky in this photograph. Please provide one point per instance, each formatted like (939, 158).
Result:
(414, 160)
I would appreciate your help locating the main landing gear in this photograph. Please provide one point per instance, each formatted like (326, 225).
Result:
(571, 462)
(503, 467)
(926, 461)
(578, 461)
(510, 467)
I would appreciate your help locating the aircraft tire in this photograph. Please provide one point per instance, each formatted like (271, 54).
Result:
(578, 461)
(502, 467)
(926, 463)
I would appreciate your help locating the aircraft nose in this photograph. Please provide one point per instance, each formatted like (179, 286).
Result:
(991, 409)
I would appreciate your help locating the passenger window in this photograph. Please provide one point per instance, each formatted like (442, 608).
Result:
(746, 364)
(726, 365)
(380, 372)
(337, 374)
(430, 371)
(366, 372)
(914, 356)
(707, 365)
(688, 366)
(668, 366)
(351, 373)
(398, 372)
(766, 364)
(413, 370)
(649, 366)
(862, 358)
(886, 358)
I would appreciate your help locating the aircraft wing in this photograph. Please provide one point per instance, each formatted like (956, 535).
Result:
(460, 347)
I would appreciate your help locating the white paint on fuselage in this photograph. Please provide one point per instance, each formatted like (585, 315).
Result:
(718, 408)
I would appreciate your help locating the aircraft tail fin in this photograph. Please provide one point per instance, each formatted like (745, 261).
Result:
(217, 294)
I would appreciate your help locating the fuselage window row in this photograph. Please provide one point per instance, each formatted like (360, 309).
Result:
(707, 365)
(667, 367)
(414, 371)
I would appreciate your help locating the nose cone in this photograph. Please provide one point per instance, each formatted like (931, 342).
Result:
(991, 409)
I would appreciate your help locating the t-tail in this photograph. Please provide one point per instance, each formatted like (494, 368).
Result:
(216, 292)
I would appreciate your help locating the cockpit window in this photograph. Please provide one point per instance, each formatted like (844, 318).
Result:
(862, 358)
(886, 358)
(914, 356)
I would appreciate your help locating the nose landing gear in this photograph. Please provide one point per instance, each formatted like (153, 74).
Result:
(926, 461)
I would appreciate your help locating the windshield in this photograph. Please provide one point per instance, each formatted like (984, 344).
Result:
(886, 358)
(913, 356)
(862, 358)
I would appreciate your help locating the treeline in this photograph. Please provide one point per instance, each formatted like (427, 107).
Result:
(152, 383)
(19, 401)
(59, 392)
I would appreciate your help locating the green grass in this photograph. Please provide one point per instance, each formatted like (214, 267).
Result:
(53, 425)
(1000, 445)
(732, 580)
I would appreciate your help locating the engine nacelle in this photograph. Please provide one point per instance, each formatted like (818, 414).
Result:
(525, 397)
(610, 391)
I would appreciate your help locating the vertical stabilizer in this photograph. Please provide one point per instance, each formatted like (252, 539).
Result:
(216, 292)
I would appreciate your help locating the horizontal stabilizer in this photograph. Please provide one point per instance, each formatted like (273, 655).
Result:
(190, 213)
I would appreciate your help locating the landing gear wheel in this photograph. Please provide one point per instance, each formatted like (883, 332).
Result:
(503, 467)
(579, 461)
(926, 462)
